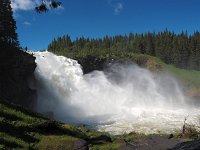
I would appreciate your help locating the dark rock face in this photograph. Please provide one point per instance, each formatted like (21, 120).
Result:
(91, 63)
(191, 145)
(16, 70)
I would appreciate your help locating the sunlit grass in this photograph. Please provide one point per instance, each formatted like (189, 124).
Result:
(191, 78)
(23, 129)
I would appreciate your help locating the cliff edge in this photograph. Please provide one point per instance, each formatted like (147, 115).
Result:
(16, 71)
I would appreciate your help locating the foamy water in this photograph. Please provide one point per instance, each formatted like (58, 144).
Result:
(123, 99)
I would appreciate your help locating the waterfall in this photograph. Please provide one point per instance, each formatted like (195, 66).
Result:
(124, 98)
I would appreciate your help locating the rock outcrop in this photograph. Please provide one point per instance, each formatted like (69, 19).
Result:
(91, 63)
(190, 145)
(16, 71)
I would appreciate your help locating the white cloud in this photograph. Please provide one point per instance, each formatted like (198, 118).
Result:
(28, 4)
(27, 23)
(118, 8)
(60, 8)
(116, 5)
(22, 4)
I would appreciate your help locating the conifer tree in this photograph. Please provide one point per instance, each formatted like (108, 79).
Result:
(8, 35)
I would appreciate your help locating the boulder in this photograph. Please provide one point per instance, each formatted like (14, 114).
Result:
(80, 145)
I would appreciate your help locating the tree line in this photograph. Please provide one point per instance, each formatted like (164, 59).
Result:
(181, 50)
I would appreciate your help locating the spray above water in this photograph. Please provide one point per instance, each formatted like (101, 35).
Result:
(125, 98)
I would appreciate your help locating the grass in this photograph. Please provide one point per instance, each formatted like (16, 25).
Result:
(191, 78)
(108, 146)
(23, 129)
(56, 142)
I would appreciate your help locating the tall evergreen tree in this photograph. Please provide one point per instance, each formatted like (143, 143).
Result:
(150, 45)
(8, 34)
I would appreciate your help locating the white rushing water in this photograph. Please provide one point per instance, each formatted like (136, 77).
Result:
(125, 98)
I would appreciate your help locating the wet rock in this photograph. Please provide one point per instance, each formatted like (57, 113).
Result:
(100, 139)
(91, 63)
(80, 145)
(191, 145)
(170, 136)
(154, 142)
(128, 147)
(120, 141)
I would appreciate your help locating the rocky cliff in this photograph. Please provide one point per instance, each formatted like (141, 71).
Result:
(91, 63)
(16, 71)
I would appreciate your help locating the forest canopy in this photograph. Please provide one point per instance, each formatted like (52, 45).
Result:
(182, 50)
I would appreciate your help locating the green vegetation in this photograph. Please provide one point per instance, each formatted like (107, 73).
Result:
(191, 78)
(181, 50)
(22, 129)
(8, 35)
(16, 127)
(56, 142)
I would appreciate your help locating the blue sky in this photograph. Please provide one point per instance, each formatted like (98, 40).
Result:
(97, 18)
